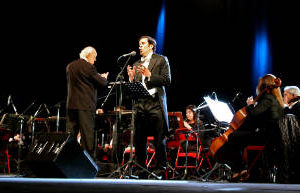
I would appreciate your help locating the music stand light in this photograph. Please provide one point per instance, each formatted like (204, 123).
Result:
(220, 110)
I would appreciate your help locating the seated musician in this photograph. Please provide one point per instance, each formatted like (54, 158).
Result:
(260, 127)
(191, 117)
(291, 101)
(191, 123)
(289, 126)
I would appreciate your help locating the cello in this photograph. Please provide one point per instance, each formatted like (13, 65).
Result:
(237, 121)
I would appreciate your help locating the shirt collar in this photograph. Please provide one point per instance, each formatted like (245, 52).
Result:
(147, 58)
(84, 58)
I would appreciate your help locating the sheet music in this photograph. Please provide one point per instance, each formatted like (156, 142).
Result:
(220, 110)
(137, 90)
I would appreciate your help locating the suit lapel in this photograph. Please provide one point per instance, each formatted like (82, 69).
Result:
(152, 62)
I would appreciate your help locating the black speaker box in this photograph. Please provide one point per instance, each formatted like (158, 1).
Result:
(56, 155)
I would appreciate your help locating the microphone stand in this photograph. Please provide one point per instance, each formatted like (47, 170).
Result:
(28, 108)
(22, 120)
(187, 135)
(33, 122)
(200, 146)
(103, 97)
(57, 117)
(116, 127)
(20, 135)
(117, 78)
(198, 142)
(14, 107)
(20, 143)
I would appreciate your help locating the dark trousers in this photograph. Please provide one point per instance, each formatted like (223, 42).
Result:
(83, 121)
(149, 121)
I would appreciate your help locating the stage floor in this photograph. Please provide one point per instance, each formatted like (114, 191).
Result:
(49, 185)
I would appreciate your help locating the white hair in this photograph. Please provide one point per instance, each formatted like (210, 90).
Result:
(86, 51)
(292, 90)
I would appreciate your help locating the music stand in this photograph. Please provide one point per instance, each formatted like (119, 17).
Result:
(135, 90)
(221, 111)
(222, 114)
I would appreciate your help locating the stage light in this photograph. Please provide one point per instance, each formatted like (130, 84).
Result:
(262, 60)
(160, 29)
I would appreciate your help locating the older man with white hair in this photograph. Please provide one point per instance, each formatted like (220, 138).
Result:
(291, 101)
(82, 82)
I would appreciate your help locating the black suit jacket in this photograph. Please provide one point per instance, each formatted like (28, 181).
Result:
(160, 78)
(295, 110)
(82, 82)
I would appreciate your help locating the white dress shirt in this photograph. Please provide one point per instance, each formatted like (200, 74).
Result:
(145, 62)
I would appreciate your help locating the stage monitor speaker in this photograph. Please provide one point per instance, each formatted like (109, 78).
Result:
(55, 155)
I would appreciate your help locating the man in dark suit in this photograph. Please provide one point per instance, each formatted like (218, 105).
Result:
(151, 118)
(291, 101)
(290, 135)
(82, 82)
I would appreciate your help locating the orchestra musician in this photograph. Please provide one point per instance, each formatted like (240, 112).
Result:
(291, 101)
(260, 128)
(191, 123)
(191, 117)
(290, 136)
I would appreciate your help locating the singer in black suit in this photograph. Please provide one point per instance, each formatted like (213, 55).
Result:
(82, 82)
(151, 118)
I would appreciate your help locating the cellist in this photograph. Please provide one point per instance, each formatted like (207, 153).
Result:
(260, 127)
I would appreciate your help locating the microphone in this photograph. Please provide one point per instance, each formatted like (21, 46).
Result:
(236, 96)
(47, 109)
(200, 107)
(133, 53)
(8, 100)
